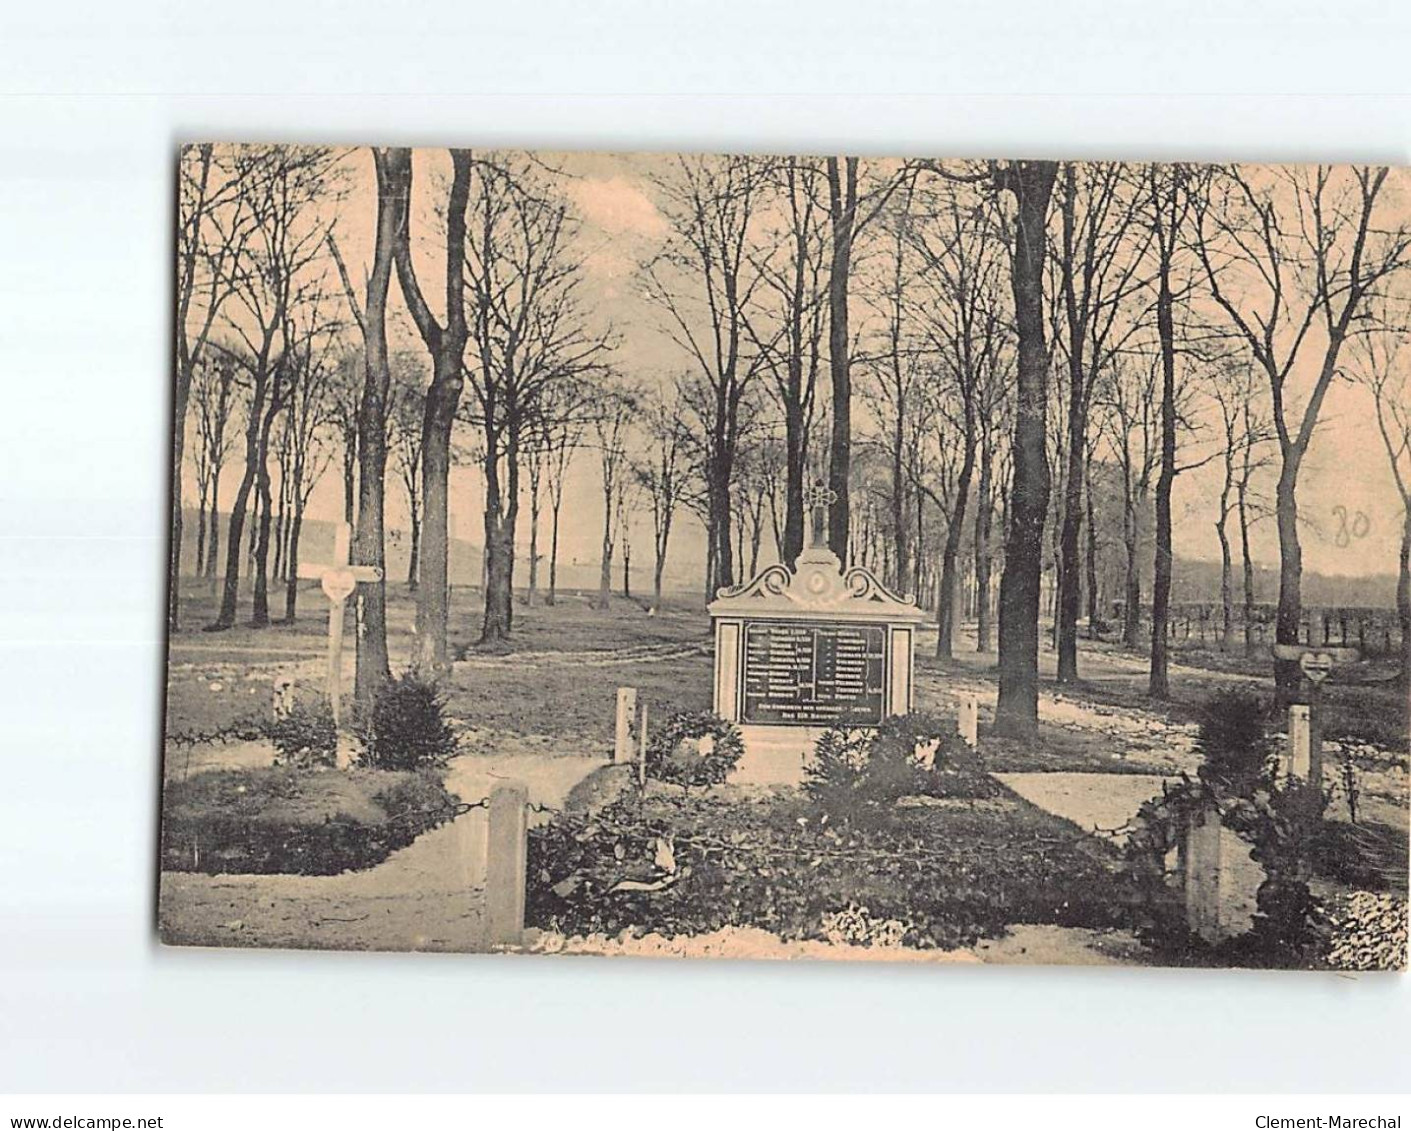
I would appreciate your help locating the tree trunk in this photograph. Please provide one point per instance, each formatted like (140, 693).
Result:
(230, 590)
(259, 614)
(350, 486)
(605, 564)
(722, 559)
(291, 586)
(414, 554)
(553, 554)
(501, 515)
(1287, 675)
(1094, 603)
(499, 580)
(1227, 588)
(1069, 595)
(1158, 685)
(181, 398)
(626, 569)
(1248, 564)
(984, 516)
(1017, 710)
(213, 549)
(1403, 600)
(374, 671)
(533, 590)
(795, 458)
(898, 501)
(447, 347)
(842, 207)
(201, 530)
(946, 601)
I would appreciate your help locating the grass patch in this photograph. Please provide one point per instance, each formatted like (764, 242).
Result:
(949, 871)
(574, 702)
(280, 820)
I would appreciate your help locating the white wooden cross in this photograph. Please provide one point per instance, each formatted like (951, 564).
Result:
(340, 578)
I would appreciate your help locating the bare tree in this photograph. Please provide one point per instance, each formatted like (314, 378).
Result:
(406, 418)
(304, 425)
(345, 406)
(1380, 369)
(796, 289)
(704, 279)
(611, 424)
(528, 333)
(898, 370)
(663, 473)
(965, 327)
(1234, 391)
(282, 186)
(1171, 195)
(1293, 257)
(213, 224)
(446, 344)
(1017, 713)
(1131, 404)
(216, 396)
(393, 170)
(1096, 261)
(850, 211)
(561, 424)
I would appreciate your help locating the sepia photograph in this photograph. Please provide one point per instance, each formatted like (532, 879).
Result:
(916, 560)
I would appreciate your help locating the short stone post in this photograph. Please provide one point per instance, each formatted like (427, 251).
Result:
(642, 749)
(506, 858)
(626, 710)
(1202, 874)
(1300, 741)
(968, 724)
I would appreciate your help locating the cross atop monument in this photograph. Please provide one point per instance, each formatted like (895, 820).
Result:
(818, 497)
(340, 578)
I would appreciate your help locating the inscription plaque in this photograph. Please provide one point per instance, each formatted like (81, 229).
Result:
(814, 674)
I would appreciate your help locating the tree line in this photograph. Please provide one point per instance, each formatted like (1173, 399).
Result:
(983, 360)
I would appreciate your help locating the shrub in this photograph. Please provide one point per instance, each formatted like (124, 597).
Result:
(858, 775)
(406, 728)
(1233, 740)
(677, 754)
(305, 737)
(933, 877)
(279, 820)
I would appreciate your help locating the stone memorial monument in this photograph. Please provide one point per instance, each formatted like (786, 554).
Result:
(799, 651)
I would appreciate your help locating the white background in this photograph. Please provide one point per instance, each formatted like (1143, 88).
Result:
(95, 98)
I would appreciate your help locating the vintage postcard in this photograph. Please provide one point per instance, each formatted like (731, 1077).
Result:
(925, 560)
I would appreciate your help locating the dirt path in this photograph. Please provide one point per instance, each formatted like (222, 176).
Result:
(1100, 804)
(426, 896)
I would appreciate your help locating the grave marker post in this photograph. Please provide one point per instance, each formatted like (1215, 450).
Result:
(969, 721)
(1300, 741)
(642, 749)
(1316, 662)
(626, 710)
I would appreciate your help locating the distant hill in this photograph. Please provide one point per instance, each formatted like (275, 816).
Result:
(1199, 582)
(467, 558)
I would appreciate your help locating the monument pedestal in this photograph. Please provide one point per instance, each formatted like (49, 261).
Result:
(798, 652)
